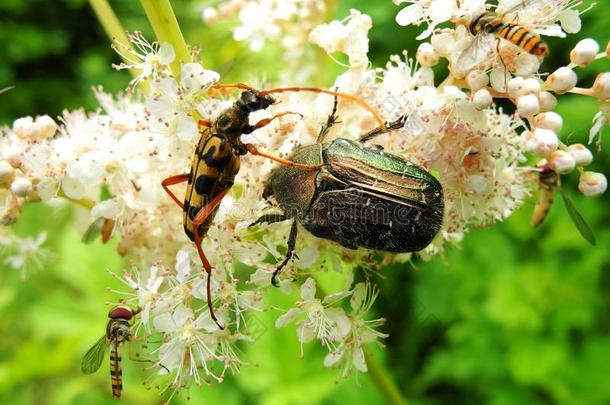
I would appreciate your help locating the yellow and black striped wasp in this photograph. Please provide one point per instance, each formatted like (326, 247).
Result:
(503, 27)
(549, 182)
(118, 331)
(217, 159)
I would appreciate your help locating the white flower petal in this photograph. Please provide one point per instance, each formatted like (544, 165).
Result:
(308, 289)
(570, 21)
(409, 15)
(287, 317)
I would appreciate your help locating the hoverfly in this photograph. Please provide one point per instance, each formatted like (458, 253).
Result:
(100, 226)
(549, 182)
(118, 331)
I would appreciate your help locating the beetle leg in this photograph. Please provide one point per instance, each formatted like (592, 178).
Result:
(389, 126)
(292, 241)
(204, 123)
(220, 88)
(252, 149)
(330, 121)
(267, 121)
(180, 178)
(201, 216)
(270, 219)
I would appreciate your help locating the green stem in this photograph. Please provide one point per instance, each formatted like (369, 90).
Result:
(382, 380)
(164, 23)
(112, 26)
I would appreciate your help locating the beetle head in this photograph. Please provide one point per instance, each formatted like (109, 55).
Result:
(253, 101)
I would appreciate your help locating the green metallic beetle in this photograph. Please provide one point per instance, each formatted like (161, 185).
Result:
(360, 197)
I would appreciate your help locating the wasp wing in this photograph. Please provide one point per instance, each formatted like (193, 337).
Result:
(94, 357)
(578, 220)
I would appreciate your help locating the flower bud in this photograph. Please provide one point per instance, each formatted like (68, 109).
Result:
(601, 87)
(548, 102)
(561, 161)
(9, 215)
(442, 43)
(482, 99)
(426, 55)
(528, 105)
(592, 184)
(531, 86)
(21, 187)
(46, 126)
(25, 128)
(549, 120)
(477, 79)
(584, 52)
(516, 87)
(562, 80)
(6, 171)
(541, 142)
(582, 156)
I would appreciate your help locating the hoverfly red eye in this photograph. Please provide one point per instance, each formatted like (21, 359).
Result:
(120, 313)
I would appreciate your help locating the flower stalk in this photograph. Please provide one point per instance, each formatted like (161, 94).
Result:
(163, 21)
(383, 382)
(112, 26)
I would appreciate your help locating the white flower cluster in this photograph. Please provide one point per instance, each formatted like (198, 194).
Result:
(111, 163)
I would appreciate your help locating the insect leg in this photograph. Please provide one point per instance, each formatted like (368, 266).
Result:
(180, 178)
(270, 219)
(389, 126)
(136, 356)
(292, 241)
(201, 216)
(351, 97)
(252, 149)
(330, 121)
(267, 121)
(204, 123)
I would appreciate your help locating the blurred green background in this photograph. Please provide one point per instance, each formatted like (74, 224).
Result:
(513, 316)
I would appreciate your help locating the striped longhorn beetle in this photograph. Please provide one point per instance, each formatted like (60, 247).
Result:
(217, 159)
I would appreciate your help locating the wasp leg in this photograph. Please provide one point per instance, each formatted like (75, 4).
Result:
(389, 126)
(170, 181)
(330, 121)
(292, 241)
(201, 216)
(252, 149)
(270, 219)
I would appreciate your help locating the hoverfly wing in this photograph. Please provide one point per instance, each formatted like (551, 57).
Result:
(93, 230)
(93, 358)
(474, 54)
(578, 220)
